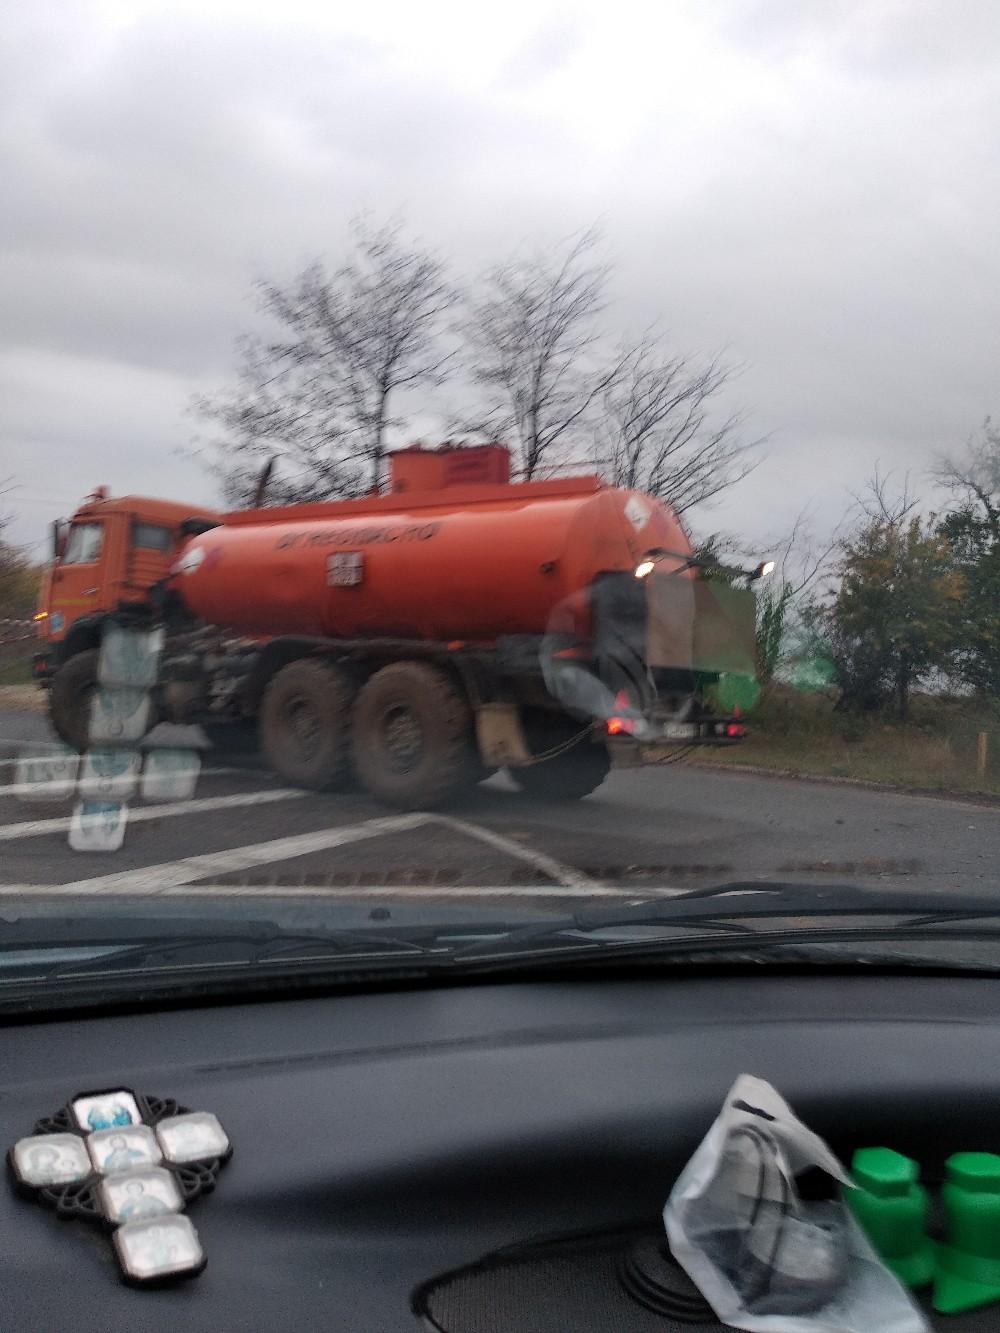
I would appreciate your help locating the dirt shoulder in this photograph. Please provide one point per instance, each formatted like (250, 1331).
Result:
(966, 795)
(22, 699)
(889, 762)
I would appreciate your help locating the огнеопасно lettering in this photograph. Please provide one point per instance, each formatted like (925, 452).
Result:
(368, 536)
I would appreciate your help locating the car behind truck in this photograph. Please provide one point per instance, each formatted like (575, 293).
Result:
(415, 641)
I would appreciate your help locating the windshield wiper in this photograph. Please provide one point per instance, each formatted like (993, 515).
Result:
(48, 960)
(736, 917)
(44, 958)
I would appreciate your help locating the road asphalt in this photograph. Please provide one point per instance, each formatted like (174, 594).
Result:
(654, 830)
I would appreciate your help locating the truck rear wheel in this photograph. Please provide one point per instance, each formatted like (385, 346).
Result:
(70, 695)
(412, 736)
(304, 723)
(566, 777)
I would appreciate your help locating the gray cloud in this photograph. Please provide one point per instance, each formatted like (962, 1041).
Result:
(811, 187)
(545, 50)
(883, 39)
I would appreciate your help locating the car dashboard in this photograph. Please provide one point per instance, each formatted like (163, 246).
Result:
(490, 1156)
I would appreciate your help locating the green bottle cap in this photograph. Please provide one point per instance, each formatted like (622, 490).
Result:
(890, 1205)
(978, 1172)
(968, 1264)
(883, 1171)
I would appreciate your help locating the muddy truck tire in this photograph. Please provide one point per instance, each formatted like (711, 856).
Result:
(70, 695)
(412, 736)
(568, 777)
(305, 723)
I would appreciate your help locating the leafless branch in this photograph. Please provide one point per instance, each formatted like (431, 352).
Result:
(658, 428)
(973, 475)
(801, 557)
(322, 394)
(877, 502)
(532, 336)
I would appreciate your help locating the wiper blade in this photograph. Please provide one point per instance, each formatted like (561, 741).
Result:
(748, 898)
(720, 917)
(754, 945)
(212, 951)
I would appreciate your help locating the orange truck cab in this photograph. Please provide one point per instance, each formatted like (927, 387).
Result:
(105, 559)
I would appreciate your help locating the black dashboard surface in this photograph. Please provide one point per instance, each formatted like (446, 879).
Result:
(382, 1139)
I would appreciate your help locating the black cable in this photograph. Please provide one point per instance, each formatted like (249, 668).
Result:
(764, 1143)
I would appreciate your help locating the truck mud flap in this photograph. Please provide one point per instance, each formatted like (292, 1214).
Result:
(500, 736)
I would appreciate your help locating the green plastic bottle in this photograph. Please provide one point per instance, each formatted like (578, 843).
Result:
(891, 1207)
(968, 1263)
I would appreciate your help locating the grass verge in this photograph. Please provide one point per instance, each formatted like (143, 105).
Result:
(936, 749)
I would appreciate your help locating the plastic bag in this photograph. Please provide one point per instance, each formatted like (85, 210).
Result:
(763, 1256)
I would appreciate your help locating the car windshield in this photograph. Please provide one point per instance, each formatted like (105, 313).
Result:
(469, 469)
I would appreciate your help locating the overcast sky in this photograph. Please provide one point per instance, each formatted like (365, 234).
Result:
(813, 186)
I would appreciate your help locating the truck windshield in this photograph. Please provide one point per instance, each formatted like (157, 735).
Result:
(84, 544)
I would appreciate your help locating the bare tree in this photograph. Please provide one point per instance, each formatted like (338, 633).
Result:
(801, 556)
(321, 395)
(658, 432)
(878, 504)
(19, 578)
(973, 475)
(535, 348)
(786, 610)
(971, 527)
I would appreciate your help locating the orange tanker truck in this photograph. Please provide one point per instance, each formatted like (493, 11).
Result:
(419, 640)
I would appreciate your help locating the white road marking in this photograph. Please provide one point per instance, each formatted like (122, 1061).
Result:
(363, 892)
(20, 789)
(27, 744)
(189, 869)
(28, 748)
(556, 870)
(25, 789)
(157, 878)
(34, 828)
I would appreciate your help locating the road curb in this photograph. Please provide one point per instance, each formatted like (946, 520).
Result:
(983, 799)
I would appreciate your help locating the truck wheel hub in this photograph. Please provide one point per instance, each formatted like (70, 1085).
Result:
(403, 736)
(304, 725)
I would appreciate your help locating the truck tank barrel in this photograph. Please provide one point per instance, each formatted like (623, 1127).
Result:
(445, 566)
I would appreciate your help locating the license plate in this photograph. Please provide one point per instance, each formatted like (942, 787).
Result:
(679, 731)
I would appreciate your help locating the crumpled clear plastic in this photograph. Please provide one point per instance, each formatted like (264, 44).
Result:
(768, 1255)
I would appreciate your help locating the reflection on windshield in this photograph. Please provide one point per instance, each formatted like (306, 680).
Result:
(510, 559)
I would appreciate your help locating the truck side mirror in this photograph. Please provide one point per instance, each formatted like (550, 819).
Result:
(58, 539)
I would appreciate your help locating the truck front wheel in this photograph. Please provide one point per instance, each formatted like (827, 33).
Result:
(304, 721)
(70, 695)
(566, 777)
(412, 736)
